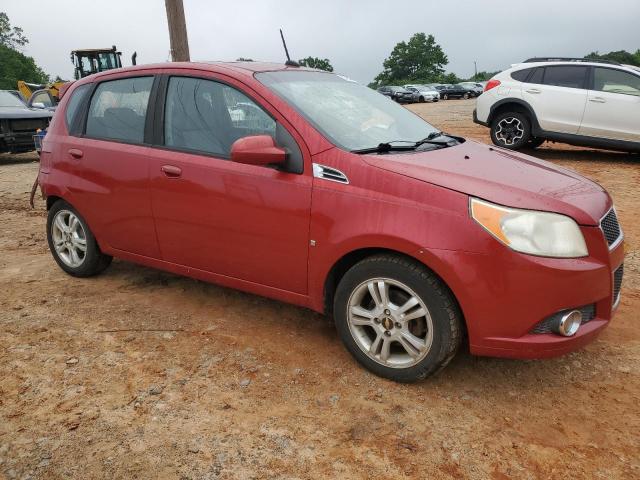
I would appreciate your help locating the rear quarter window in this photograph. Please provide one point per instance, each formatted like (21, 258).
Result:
(73, 106)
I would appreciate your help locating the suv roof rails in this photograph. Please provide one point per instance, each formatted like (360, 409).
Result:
(569, 59)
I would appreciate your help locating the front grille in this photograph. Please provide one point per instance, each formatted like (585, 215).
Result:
(545, 326)
(617, 284)
(610, 227)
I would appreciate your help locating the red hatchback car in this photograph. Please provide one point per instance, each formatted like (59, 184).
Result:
(307, 187)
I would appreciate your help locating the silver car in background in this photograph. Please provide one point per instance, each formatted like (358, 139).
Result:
(423, 93)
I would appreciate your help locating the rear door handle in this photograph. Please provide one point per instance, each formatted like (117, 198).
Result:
(171, 171)
(532, 90)
(597, 100)
(75, 153)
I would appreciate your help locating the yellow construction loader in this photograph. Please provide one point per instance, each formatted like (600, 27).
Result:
(85, 62)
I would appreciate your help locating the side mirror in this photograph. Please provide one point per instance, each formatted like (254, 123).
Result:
(39, 105)
(257, 150)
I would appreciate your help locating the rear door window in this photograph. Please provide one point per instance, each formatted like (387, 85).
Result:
(570, 76)
(536, 76)
(521, 75)
(118, 109)
(615, 81)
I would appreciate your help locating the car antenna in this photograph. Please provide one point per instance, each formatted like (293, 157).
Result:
(289, 62)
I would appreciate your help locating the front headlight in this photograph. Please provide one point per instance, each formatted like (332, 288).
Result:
(528, 231)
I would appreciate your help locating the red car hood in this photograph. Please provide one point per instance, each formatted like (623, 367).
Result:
(504, 177)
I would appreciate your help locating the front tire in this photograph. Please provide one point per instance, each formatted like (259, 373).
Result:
(397, 318)
(511, 130)
(465, 96)
(71, 242)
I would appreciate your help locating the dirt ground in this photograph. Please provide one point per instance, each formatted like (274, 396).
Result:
(141, 374)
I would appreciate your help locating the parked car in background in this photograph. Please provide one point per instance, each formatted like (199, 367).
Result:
(422, 93)
(399, 94)
(328, 196)
(17, 94)
(576, 101)
(455, 91)
(19, 123)
(476, 88)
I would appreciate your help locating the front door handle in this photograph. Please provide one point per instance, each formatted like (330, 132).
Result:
(171, 171)
(597, 100)
(75, 153)
(532, 90)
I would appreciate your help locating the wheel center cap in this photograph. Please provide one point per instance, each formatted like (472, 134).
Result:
(387, 323)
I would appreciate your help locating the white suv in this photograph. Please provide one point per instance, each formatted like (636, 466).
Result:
(575, 101)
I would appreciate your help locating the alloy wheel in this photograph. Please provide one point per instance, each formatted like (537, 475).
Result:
(390, 323)
(509, 130)
(69, 238)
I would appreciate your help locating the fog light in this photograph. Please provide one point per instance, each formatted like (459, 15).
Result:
(568, 323)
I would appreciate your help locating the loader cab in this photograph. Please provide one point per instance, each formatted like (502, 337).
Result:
(91, 61)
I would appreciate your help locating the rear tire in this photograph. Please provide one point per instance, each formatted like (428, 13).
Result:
(71, 242)
(511, 130)
(397, 318)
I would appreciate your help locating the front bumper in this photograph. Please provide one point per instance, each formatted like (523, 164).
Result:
(505, 295)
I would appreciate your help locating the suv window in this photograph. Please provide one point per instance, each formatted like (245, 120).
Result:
(570, 76)
(74, 103)
(536, 76)
(208, 116)
(521, 75)
(615, 81)
(118, 109)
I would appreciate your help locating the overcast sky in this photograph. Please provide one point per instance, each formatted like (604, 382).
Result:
(356, 35)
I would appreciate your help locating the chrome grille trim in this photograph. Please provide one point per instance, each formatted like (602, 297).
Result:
(611, 228)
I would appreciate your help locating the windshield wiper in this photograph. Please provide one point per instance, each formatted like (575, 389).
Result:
(388, 147)
(410, 145)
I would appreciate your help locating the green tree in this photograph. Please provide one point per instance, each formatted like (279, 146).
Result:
(315, 62)
(483, 76)
(621, 56)
(11, 37)
(420, 59)
(14, 65)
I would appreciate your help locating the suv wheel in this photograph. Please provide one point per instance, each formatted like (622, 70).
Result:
(465, 96)
(445, 97)
(511, 130)
(72, 244)
(421, 99)
(397, 318)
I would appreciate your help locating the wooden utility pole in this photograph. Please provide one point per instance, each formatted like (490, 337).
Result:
(177, 31)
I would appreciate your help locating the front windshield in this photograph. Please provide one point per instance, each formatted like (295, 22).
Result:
(352, 116)
(9, 100)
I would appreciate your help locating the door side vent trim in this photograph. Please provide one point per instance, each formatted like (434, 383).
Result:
(328, 173)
